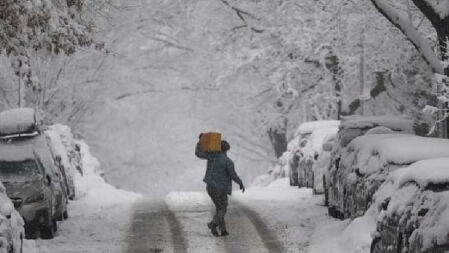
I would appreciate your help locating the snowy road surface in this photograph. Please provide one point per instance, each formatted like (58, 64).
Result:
(277, 218)
(156, 228)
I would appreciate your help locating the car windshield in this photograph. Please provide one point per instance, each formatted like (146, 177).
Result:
(19, 169)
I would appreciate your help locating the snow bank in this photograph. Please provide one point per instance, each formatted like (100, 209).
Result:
(19, 120)
(278, 190)
(91, 187)
(309, 127)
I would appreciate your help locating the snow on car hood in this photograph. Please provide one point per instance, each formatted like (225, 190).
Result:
(393, 122)
(309, 127)
(372, 152)
(435, 171)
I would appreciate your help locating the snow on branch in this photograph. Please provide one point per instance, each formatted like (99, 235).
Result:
(441, 7)
(241, 13)
(404, 24)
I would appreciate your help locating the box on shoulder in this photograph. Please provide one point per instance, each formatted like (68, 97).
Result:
(211, 142)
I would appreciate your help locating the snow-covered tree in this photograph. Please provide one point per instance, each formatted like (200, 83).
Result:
(48, 26)
(434, 49)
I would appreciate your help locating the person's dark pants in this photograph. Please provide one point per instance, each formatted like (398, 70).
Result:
(220, 199)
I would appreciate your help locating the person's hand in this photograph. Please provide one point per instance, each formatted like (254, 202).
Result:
(242, 187)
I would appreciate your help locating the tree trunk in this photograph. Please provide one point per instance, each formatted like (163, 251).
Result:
(443, 40)
(278, 138)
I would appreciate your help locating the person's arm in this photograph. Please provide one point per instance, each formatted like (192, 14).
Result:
(233, 175)
(201, 154)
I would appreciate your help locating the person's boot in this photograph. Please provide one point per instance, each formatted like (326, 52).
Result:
(213, 228)
(224, 233)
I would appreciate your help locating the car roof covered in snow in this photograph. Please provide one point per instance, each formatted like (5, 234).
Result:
(424, 172)
(13, 153)
(395, 123)
(309, 127)
(319, 136)
(397, 149)
(18, 120)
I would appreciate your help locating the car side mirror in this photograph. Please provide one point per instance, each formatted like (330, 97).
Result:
(385, 203)
(6, 209)
(423, 211)
(47, 180)
(327, 147)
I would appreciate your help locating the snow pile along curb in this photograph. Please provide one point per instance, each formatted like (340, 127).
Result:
(91, 186)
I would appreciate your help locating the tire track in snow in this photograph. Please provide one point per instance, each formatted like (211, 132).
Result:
(243, 235)
(269, 239)
(155, 229)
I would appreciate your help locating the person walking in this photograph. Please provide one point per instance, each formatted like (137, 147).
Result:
(220, 173)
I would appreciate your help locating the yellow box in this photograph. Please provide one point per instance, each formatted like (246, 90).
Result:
(211, 142)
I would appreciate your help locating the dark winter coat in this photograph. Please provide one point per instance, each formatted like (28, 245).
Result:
(220, 170)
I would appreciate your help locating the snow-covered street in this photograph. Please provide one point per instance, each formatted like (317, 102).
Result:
(277, 218)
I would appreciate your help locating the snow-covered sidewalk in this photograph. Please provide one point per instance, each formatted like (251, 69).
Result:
(91, 228)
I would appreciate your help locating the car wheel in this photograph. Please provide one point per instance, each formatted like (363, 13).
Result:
(55, 225)
(21, 244)
(48, 231)
(376, 245)
(326, 197)
(31, 232)
(293, 180)
(331, 212)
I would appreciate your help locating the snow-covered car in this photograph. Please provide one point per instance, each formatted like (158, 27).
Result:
(350, 128)
(61, 158)
(414, 209)
(11, 225)
(72, 147)
(372, 158)
(19, 129)
(320, 167)
(300, 141)
(29, 185)
(310, 154)
(18, 121)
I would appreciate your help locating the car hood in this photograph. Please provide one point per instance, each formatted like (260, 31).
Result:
(22, 189)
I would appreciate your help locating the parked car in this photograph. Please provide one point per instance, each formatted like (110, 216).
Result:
(11, 225)
(300, 141)
(320, 167)
(62, 160)
(19, 129)
(350, 128)
(30, 186)
(73, 148)
(310, 153)
(414, 209)
(372, 158)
